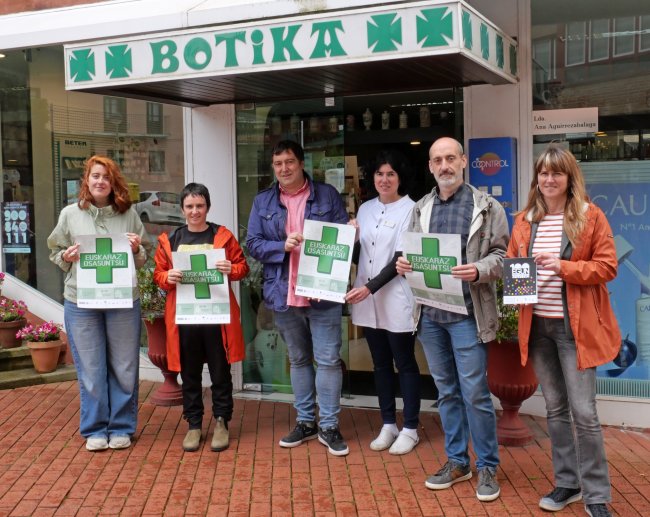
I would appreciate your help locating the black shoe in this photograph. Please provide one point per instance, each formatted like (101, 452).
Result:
(597, 510)
(302, 432)
(559, 498)
(333, 440)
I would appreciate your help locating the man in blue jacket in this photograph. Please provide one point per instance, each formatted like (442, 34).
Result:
(311, 329)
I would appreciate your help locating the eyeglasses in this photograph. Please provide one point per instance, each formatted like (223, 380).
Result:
(546, 175)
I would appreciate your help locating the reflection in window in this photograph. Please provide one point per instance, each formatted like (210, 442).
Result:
(644, 39)
(575, 43)
(599, 40)
(623, 35)
(154, 118)
(114, 115)
(156, 162)
(543, 55)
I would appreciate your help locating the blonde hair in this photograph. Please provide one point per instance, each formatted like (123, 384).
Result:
(557, 159)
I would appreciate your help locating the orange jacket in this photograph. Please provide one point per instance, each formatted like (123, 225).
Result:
(593, 263)
(233, 340)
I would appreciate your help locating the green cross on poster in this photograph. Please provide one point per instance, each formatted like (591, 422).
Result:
(103, 261)
(201, 277)
(431, 263)
(327, 250)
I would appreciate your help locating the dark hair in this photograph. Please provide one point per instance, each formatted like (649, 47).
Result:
(118, 198)
(195, 189)
(289, 145)
(398, 163)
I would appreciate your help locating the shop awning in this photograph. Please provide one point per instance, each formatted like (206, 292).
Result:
(393, 47)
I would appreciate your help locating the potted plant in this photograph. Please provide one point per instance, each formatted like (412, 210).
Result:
(510, 382)
(2, 279)
(44, 343)
(12, 317)
(152, 305)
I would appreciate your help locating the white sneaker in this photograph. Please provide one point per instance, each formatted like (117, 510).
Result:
(404, 444)
(96, 443)
(383, 441)
(119, 442)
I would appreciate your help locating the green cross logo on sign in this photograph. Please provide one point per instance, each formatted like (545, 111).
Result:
(431, 263)
(201, 277)
(327, 250)
(103, 261)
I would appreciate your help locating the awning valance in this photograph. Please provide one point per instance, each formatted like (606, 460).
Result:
(392, 47)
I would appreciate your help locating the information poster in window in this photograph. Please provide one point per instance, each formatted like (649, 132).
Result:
(15, 227)
(202, 297)
(105, 271)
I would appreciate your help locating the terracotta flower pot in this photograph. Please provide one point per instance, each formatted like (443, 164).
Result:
(511, 383)
(8, 331)
(45, 354)
(170, 393)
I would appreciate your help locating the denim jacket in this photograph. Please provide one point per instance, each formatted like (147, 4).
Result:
(267, 234)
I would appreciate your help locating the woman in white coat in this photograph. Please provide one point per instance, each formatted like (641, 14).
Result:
(382, 302)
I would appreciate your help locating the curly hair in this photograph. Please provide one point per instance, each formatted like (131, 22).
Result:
(118, 198)
(556, 158)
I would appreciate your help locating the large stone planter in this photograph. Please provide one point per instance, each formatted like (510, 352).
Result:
(8, 331)
(511, 383)
(45, 354)
(170, 393)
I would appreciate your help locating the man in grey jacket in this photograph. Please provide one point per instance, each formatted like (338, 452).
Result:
(455, 345)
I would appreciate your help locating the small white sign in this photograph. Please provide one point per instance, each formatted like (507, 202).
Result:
(325, 259)
(202, 297)
(432, 255)
(553, 122)
(105, 272)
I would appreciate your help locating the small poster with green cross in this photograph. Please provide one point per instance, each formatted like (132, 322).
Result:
(202, 296)
(105, 272)
(432, 255)
(325, 259)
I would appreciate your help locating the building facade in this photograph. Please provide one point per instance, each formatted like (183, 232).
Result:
(201, 90)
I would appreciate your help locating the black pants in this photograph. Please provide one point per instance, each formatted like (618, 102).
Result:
(203, 344)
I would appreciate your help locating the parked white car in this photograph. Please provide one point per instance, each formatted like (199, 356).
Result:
(160, 207)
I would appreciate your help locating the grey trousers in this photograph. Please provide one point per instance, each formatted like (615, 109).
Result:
(576, 438)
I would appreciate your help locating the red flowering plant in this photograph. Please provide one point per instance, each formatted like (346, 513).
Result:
(12, 310)
(2, 278)
(48, 331)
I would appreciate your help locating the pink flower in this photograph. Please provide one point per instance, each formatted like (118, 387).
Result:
(48, 331)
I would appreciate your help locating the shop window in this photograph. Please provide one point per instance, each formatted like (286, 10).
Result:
(624, 36)
(598, 40)
(544, 57)
(154, 118)
(575, 43)
(114, 115)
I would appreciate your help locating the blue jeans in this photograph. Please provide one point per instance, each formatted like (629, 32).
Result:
(458, 364)
(314, 335)
(573, 426)
(392, 350)
(105, 344)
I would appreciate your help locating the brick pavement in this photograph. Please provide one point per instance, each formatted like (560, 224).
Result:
(45, 469)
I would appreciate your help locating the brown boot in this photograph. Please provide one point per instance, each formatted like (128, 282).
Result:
(220, 436)
(192, 440)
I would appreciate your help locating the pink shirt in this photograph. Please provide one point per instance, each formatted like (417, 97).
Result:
(295, 204)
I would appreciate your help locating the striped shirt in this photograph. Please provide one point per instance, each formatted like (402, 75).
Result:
(548, 239)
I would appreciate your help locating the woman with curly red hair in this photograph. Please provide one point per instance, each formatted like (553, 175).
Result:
(105, 343)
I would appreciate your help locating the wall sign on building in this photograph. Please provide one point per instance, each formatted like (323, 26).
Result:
(385, 32)
(554, 122)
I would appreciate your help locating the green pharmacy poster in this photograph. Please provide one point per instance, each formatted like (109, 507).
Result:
(202, 296)
(325, 259)
(432, 255)
(105, 272)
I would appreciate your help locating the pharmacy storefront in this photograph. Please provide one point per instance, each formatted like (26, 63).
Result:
(207, 98)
